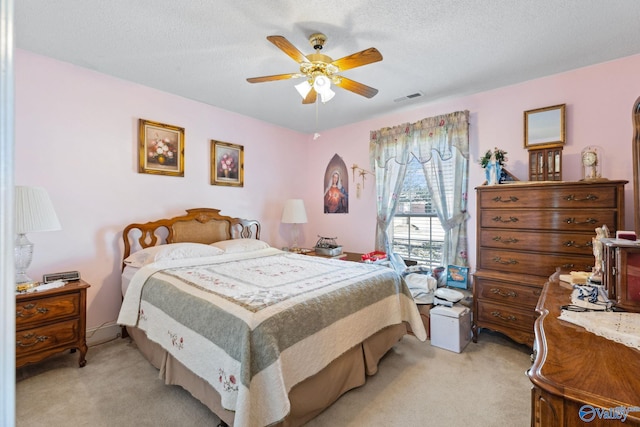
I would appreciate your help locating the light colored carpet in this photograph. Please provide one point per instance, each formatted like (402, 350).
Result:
(417, 385)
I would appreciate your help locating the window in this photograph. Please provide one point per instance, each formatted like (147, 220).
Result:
(417, 233)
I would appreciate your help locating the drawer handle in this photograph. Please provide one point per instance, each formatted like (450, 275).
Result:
(497, 291)
(509, 318)
(499, 261)
(589, 198)
(588, 221)
(573, 244)
(566, 266)
(511, 199)
(511, 219)
(38, 339)
(508, 240)
(39, 310)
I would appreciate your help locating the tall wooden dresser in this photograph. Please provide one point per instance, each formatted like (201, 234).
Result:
(526, 230)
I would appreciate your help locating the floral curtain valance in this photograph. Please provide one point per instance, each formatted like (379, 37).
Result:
(421, 139)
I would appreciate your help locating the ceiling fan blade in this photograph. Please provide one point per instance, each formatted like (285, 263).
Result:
(285, 46)
(274, 77)
(358, 59)
(311, 97)
(356, 87)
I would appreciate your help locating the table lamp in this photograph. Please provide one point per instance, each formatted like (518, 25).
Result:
(294, 213)
(33, 212)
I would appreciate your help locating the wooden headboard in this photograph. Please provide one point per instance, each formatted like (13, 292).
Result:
(202, 225)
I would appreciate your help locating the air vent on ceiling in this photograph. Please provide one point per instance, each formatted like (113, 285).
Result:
(412, 96)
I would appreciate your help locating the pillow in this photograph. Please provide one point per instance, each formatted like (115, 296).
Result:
(169, 252)
(240, 245)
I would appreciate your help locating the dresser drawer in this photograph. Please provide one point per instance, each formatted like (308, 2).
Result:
(47, 309)
(507, 293)
(560, 219)
(505, 315)
(537, 264)
(570, 243)
(50, 336)
(573, 197)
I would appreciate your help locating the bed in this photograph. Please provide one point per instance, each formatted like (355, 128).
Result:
(258, 335)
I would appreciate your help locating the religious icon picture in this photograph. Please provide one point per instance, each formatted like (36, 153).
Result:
(336, 186)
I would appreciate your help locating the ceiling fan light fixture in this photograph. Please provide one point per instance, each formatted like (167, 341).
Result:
(322, 84)
(327, 95)
(303, 89)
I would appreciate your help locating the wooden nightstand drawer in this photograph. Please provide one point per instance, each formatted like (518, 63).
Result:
(54, 335)
(47, 309)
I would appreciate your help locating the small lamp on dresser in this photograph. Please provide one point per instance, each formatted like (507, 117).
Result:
(33, 212)
(294, 213)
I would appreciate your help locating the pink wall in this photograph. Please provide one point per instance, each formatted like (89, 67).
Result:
(76, 134)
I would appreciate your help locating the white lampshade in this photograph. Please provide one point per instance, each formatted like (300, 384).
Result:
(294, 212)
(34, 211)
(322, 85)
(303, 89)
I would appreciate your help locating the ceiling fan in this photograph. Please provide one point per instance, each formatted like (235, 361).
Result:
(320, 70)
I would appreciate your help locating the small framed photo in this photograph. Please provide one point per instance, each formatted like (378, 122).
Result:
(227, 164)
(160, 148)
(457, 276)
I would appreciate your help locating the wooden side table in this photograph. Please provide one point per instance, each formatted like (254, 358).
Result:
(348, 256)
(51, 321)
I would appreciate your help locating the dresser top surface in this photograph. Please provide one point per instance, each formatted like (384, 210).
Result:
(577, 364)
(533, 184)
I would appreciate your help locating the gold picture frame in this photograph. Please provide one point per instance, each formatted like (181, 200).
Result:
(545, 127)
(227, 164)
(160, 148)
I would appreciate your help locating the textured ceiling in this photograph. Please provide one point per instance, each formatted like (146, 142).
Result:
(204, 49)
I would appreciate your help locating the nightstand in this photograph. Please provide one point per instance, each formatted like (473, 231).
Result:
(348, 256)
(51, 321)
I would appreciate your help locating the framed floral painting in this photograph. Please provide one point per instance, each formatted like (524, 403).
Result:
(161, 148)
(227, 164)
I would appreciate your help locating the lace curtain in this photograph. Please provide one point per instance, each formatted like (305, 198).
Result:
(431, 141)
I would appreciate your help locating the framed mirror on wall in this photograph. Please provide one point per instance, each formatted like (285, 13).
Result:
(544, 137)
(544, 127)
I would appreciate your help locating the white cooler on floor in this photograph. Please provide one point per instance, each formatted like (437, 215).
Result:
(450, 327)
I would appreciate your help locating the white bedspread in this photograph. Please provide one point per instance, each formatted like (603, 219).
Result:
(255, 324)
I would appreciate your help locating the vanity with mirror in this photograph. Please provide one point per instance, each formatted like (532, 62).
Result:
(580, 377)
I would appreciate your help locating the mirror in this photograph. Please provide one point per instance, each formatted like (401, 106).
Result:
(544, 127)
(636, 164)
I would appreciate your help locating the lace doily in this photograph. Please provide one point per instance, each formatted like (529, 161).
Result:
(621, 327)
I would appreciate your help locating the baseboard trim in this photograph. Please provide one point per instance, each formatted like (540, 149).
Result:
(103, 333)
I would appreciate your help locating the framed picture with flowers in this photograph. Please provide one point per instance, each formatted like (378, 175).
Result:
(161, 148)
(227, 164)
